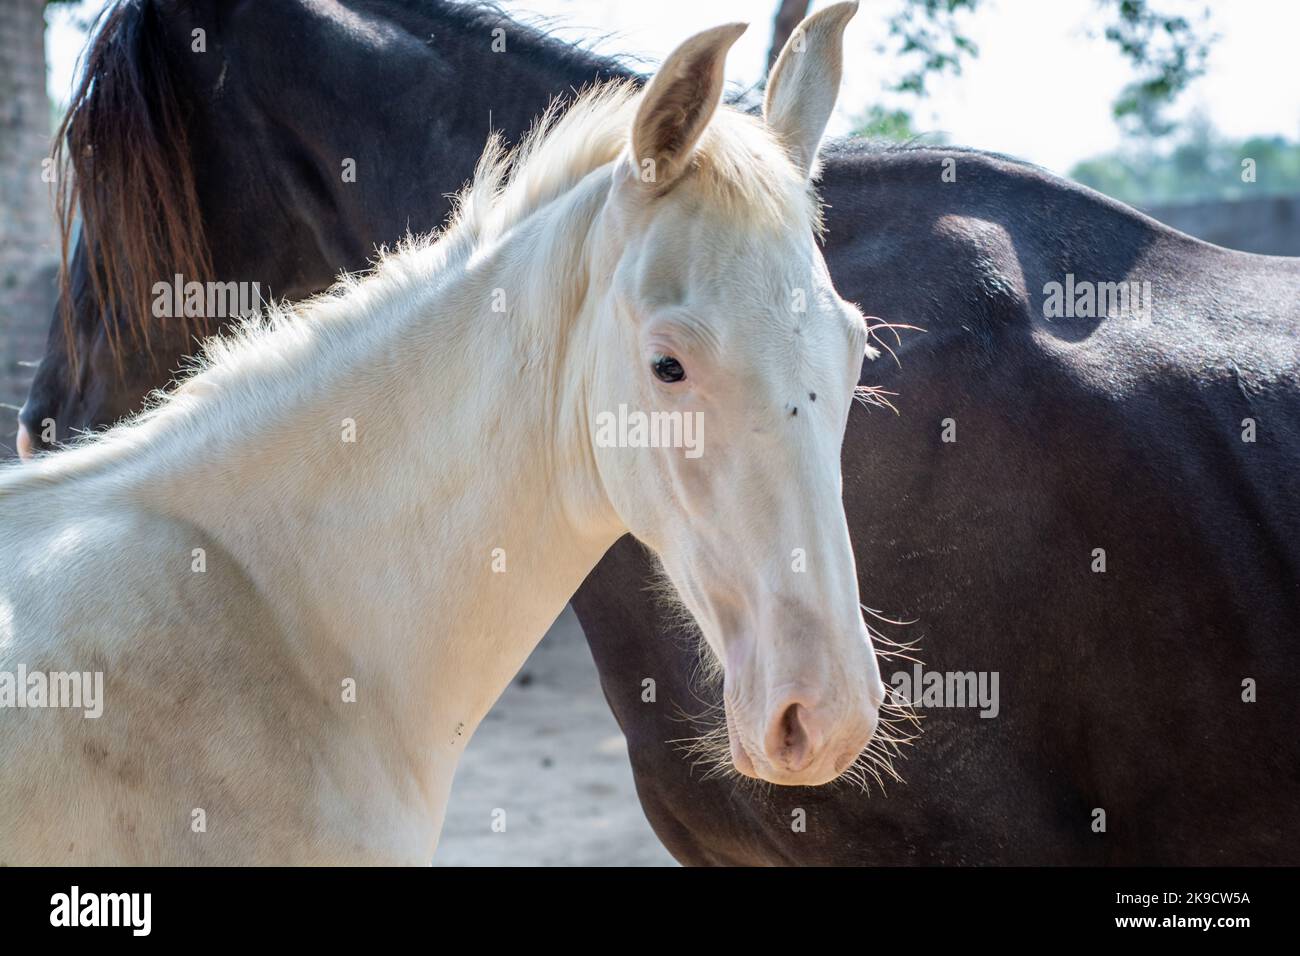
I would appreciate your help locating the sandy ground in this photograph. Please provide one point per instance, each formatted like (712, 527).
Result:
(551, 756)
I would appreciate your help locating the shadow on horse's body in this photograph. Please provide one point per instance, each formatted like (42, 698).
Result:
(1120, 690)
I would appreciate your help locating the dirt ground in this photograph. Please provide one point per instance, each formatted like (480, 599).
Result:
(552, 758)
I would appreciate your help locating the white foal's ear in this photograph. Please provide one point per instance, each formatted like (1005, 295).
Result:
(805, 82)
(678, 104)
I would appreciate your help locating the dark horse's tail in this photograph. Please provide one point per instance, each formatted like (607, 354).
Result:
(123, 162)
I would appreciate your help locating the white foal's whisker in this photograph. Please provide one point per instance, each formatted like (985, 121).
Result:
(898, 724)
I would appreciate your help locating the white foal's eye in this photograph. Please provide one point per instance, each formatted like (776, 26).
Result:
(667, 369)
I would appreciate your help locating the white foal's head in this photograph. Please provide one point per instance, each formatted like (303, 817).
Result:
(720, 310)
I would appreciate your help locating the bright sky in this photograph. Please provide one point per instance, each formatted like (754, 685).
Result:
(1040, 89)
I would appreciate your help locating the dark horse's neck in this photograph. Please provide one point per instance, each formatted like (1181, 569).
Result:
(410, 105)
(238, 163)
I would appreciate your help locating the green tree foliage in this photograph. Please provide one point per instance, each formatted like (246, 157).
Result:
(927, 41)
(1202, 165)
(896, 125)
(1166, 50)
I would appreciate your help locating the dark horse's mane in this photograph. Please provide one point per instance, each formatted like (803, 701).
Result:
(125, 171)
(122, 154)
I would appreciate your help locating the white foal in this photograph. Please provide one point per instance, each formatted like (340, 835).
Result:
(307, 575)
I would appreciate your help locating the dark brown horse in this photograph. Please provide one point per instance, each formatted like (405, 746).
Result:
(1087, 502)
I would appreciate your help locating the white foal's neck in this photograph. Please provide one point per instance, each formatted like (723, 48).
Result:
(402, 466)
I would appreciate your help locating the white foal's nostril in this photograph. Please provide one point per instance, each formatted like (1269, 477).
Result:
(25, 447)
(793, 739)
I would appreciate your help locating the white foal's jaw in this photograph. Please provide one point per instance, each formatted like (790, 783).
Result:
(721, 311)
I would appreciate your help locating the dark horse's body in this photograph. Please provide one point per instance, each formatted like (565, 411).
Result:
(1119, 690)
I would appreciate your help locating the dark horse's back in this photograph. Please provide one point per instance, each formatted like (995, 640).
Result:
(1114, 533)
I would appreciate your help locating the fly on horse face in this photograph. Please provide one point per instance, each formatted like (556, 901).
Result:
(649, 244)
(1098, 534)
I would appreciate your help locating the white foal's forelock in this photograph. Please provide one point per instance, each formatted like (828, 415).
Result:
(308, 572)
